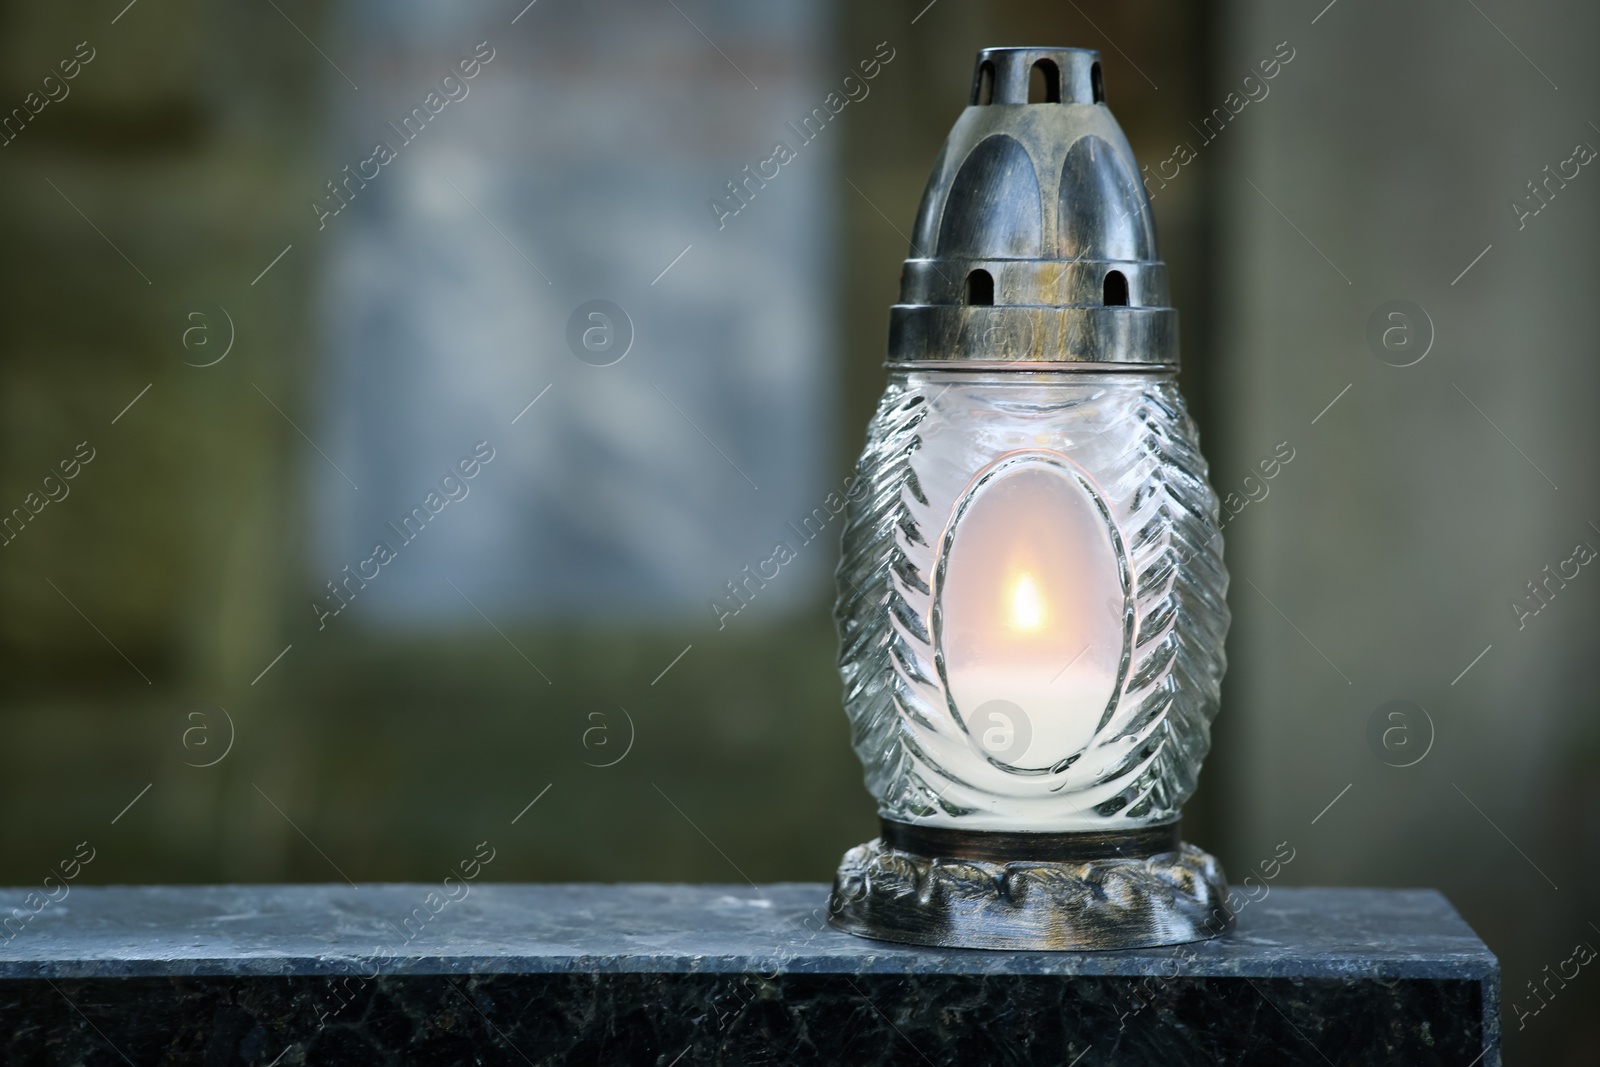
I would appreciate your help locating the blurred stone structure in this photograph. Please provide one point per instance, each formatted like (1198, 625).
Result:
(596, 153)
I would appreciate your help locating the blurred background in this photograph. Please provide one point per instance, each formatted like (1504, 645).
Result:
(257, 342)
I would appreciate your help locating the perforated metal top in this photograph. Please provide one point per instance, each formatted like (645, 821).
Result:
(1034, 242)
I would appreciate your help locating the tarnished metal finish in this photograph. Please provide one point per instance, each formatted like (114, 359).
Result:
(1053, 335)
(1033, 281)
(1169, 898)
(1004, 846)
(1034, 242)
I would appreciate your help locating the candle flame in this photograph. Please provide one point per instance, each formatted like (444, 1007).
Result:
(1027, 605)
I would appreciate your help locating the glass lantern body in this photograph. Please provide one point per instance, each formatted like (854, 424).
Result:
(1032, 600)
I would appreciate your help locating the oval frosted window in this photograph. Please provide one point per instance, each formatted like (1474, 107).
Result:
(1031, 613)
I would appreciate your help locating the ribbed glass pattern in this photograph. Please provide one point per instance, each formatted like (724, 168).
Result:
(1032, 601)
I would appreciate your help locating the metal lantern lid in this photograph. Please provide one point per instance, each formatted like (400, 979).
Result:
(1034, 242)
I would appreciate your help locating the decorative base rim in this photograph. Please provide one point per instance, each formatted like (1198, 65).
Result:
(1169, 898)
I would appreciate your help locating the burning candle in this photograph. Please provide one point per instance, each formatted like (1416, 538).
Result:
(1031, 602)
(1029, 612)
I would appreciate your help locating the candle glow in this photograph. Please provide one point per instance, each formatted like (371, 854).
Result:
(1027, 606)
(1031, 610)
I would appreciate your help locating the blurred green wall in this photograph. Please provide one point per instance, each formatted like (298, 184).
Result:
(179, 556)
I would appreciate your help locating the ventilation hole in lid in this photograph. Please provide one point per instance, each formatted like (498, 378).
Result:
(983, 92)
(1044, 83)
(1116, 289)
(1097, 85)
(980, 289)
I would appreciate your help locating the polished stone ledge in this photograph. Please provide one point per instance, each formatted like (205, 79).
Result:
(714, 974)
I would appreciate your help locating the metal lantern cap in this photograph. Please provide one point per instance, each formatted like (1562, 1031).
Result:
(1034, 241)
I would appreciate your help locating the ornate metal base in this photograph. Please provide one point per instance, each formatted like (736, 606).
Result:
(1061, 891)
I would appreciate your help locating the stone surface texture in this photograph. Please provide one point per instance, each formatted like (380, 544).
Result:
(679, 974)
